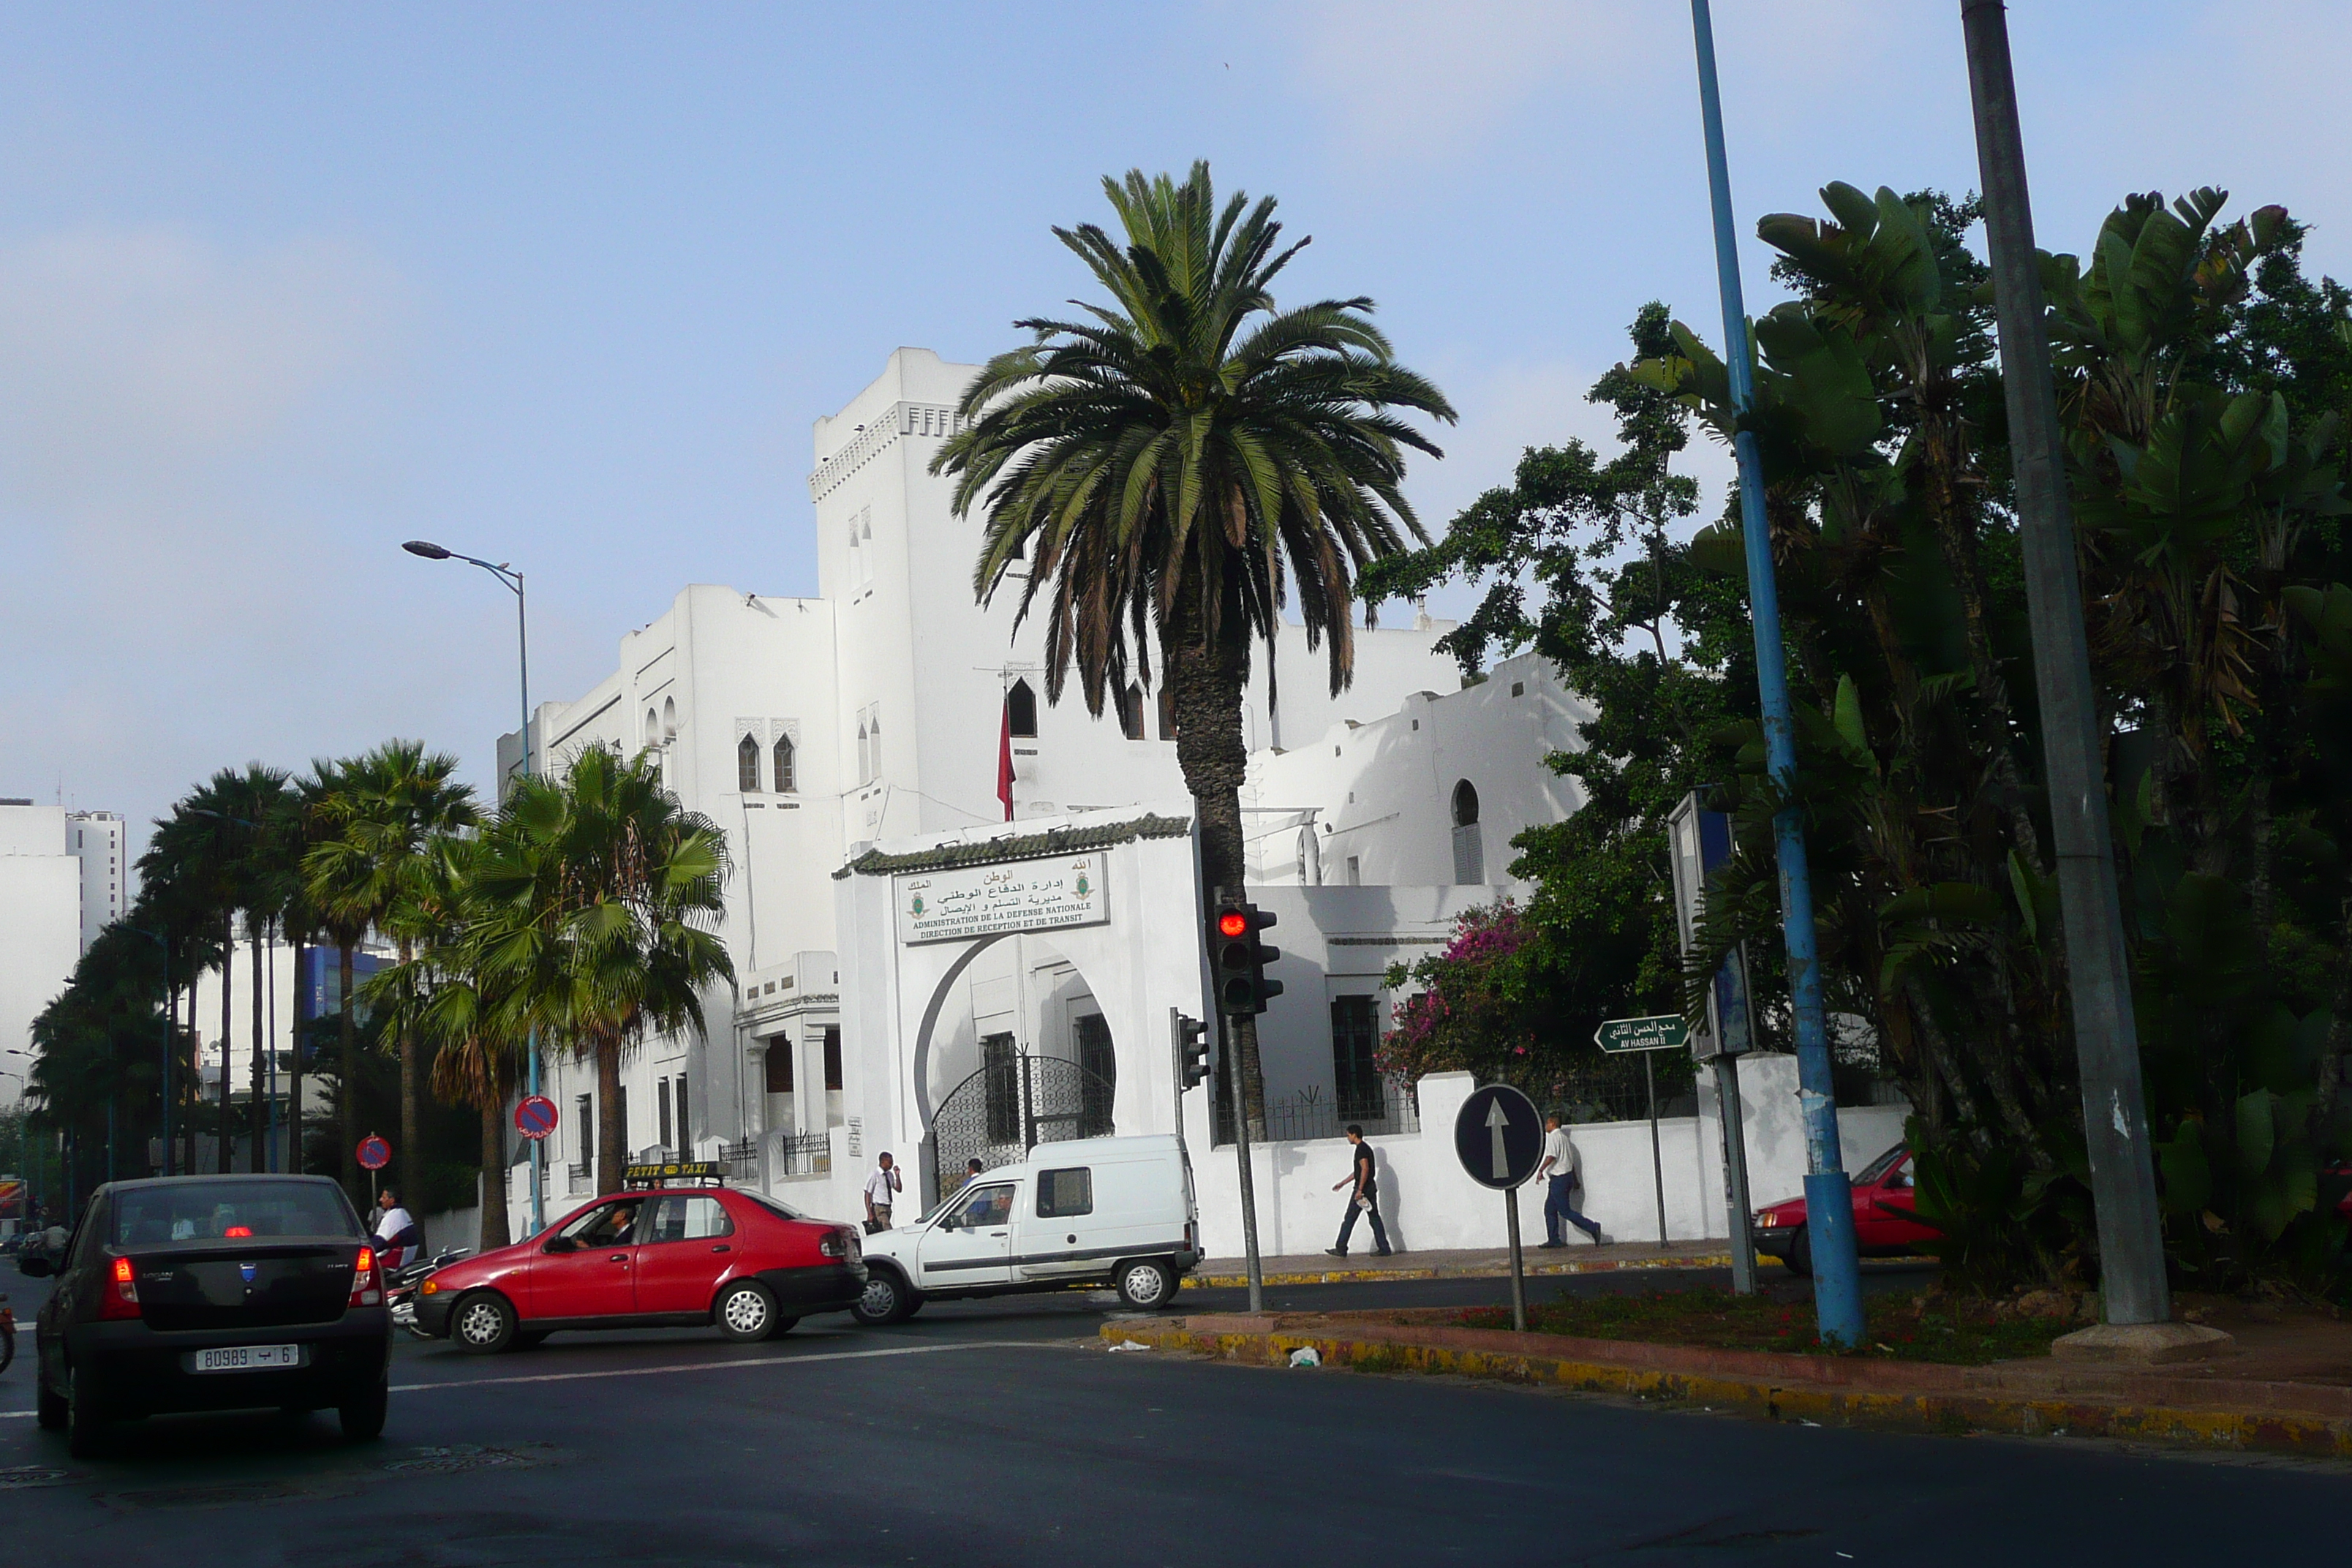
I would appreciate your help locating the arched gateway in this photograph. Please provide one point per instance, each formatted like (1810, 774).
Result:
(1118, 899)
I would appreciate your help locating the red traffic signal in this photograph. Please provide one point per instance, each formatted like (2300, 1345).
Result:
(1237, 959)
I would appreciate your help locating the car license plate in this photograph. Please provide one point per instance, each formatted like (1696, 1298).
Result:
(249, 1358)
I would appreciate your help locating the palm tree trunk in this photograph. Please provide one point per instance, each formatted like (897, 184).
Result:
(1207, 680)
(259, 1105)
(412, 1163)
(294, 1071)
(347, 1097)
(494, 1173)
(612, 1128)
(228, 1040)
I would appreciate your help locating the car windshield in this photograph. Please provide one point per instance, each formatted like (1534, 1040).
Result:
(230, 1210)
(1879, 1166)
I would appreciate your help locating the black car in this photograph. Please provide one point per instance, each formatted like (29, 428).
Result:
(184, 1293)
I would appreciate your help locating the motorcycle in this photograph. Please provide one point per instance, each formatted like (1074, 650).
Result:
(400, 1291)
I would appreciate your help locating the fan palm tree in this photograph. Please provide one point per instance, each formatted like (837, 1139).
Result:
(345, 924)
(600, 896)
(380, 821)
(1169, 471)
(201, 851)
(443, 997)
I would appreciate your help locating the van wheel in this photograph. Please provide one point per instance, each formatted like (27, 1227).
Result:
(483, 1324)
(1800, 1257)
(887, 1299)
(1146, 1283)
(745, 1311)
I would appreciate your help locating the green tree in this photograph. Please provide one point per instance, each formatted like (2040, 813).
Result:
(600, 899)
(381, 818)
(1167, 472)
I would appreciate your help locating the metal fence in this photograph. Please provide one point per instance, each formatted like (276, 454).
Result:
(741, 1158)
(1613, 1090)
(1310, 1114)
(803, 1155)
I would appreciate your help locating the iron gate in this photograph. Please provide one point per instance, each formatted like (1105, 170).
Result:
(1010, 1106)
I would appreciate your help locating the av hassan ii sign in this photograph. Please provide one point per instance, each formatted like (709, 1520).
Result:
(983, 901)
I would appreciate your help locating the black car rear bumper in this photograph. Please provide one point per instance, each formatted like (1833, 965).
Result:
(138, 1371)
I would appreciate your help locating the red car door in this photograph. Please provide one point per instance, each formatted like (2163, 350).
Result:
(1897, 1205)
(687, 1246)
(587, 1269)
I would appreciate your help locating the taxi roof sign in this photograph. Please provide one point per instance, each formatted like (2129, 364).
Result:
(670, 1170)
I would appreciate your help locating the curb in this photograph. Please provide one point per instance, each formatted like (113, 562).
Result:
(1476, 1271)
(1868, 1400)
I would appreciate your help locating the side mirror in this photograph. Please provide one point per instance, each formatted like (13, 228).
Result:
(560, 1244)
(951, 1222)
(34, 1265)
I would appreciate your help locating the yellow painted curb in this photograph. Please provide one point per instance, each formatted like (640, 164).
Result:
(1947, 1413)
(1359, 1275)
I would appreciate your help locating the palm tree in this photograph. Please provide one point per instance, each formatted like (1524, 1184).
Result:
(345, 924)
(380, 819)
(1168, 470)
(264, 873)
(601, 894)
(200, 851)
(443, 997)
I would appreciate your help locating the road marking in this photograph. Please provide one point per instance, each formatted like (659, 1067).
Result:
(721, 1365)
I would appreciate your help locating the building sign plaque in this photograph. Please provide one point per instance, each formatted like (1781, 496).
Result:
(983, 901)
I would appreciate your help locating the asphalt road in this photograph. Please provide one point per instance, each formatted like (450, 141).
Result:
(1004, 1433)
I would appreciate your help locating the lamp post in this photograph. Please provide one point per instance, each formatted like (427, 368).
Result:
(427, 549)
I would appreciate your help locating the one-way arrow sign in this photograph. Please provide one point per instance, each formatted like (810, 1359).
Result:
(1499, 1135)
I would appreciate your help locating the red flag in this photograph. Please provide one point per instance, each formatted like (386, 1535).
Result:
(1004, 760)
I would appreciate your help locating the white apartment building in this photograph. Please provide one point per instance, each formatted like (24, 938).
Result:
(812, 729)
(61, 880)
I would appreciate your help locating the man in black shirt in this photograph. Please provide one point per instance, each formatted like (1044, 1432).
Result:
(1364, 1200)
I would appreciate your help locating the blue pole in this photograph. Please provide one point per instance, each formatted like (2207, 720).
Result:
(1828, 1195)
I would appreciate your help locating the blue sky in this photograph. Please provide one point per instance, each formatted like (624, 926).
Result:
(281, 286)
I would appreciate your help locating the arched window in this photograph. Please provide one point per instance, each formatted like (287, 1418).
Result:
(1020, 710)
(747, 765)
(1130, 711)
(1469, 852)
(865, 752)
(785, 778)
(669, 718)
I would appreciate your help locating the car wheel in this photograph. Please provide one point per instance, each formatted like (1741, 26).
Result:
(85, 1423)
(48, 1409)
(483, 1324)
(362, 1417)
(887, 1299)
(1799, 1256)
(1146, 1283)
(745, 1311)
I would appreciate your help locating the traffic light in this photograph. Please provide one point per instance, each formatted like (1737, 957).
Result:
(1237, 959)
(1193, 1049)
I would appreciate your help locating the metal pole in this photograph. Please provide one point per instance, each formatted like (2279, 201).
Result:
(1735, 1168)
(1657, 1160)
(1829, 1201)
(2133, 1288)
(1242, 1159)
(1519, 1271)
(163, 1083)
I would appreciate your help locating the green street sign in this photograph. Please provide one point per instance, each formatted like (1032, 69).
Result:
(1667, 1032)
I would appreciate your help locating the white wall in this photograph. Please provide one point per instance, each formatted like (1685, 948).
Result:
(40, 929)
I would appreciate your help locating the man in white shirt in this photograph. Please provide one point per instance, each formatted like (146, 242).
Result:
(397, 1238)
(879, 1186)
(1562, 1167)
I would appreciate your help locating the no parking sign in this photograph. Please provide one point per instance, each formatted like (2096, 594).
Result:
(374, 1153)
(534, 1116)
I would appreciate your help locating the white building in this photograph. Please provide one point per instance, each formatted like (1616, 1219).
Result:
(61, 880)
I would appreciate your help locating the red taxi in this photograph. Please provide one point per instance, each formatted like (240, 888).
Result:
(676, 1249)
(1886, 1222)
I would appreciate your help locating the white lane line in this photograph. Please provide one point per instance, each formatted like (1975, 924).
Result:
(721, 1365)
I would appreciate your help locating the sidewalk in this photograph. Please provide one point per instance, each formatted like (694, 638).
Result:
(2289, 1392)
(1320, 1269)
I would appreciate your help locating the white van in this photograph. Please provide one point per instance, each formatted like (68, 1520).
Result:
(1091, 1212)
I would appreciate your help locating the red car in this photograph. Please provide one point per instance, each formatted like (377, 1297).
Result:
(1885, 1218)
(675, 1251)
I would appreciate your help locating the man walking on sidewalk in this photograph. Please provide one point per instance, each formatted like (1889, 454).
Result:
(879, 1186)
(1562, 1167)
(1365, 1199)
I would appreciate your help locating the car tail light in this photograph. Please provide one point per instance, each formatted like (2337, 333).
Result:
(367, 1280)
(121, 1298)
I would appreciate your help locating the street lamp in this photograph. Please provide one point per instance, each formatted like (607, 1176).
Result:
(428, 551)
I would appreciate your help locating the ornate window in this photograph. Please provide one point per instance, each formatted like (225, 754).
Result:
(1130, 711)
(787, 780)
(747, 765)
(1020, 710)
(1469, 853)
